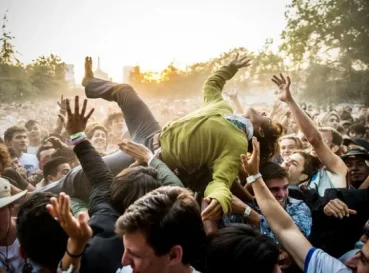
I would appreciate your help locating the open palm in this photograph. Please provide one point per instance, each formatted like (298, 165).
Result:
(284, 93)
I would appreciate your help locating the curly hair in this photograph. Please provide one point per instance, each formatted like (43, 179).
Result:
(4, 156)
(269, 145)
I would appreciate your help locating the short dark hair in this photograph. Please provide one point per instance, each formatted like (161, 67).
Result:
(240, 248)
(66, 153)
(358, 128)
(132, 184)
(336, 136)
(270, 170)
(50, 167)
(167, 216)
(41, 149)
(309, 166)
(112, 117)
(30, 123)
(41, 237)
(9, 133)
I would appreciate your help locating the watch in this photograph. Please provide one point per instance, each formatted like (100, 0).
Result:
(252, 178)
(247, 212)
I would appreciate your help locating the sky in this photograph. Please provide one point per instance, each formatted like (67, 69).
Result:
(149, 33)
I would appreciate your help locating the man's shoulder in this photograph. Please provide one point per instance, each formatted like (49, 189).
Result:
(318, 261)
(296, 203)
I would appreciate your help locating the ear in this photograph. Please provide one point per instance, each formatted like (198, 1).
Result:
(335, 148)
(50, 178)
(260, 131)
(175, 255)
(303, 177)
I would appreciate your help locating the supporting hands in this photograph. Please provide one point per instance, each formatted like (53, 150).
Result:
(139, 152)
(213, 210)
(338, 209)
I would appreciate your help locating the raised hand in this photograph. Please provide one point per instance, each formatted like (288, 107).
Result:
(139, 152)
(251, 166)
(284, 93)
(76, 122)
(78, 230)
(232, 93)
(56, 142)
(62, 104)
(241, 62)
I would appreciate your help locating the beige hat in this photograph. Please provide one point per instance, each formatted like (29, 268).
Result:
(5, 197)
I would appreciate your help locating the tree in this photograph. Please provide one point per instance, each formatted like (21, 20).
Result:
(333, 34)
(7, 51)
(47, 73)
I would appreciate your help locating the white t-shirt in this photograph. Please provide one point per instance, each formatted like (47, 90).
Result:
(317, 261)
(32, 150)
(29, 162)
(16, 262)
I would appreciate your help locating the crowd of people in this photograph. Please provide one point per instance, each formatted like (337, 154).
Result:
(111, 183)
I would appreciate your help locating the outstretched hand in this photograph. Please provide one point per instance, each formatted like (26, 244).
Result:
(62, 104)
(76, 122)
(232, 93)
(241, 62)
(56, 142)
(78, 230)
(251, 166)
(284, 93)
(139, 152)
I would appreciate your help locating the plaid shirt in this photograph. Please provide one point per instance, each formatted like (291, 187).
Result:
(297, 209)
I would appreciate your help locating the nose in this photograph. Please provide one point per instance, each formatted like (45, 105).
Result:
(126, 260)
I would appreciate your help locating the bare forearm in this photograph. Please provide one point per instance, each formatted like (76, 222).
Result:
(277, 217)
(306, 125)
(237, 106)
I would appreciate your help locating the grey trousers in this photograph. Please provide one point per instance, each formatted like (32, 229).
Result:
(141, 125)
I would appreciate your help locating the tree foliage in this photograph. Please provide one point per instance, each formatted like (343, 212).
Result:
(332, 38)
(44, 77)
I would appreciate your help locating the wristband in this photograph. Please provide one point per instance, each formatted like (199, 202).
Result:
(73, 255)
(252, 178)
(77, 135)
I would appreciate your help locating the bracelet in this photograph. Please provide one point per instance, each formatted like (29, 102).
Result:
(77, 135)
(73, 255)
(78, 140)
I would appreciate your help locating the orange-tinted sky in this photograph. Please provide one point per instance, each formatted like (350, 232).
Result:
(151, 33)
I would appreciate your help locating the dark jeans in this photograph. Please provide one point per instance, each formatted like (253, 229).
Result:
(141, 125)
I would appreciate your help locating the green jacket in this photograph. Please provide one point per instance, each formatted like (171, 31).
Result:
(205, 138)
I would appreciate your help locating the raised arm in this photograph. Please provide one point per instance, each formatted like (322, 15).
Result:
(332, 161)
(95, 169)
(279, 221)
(233, 96)
(213, 86)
